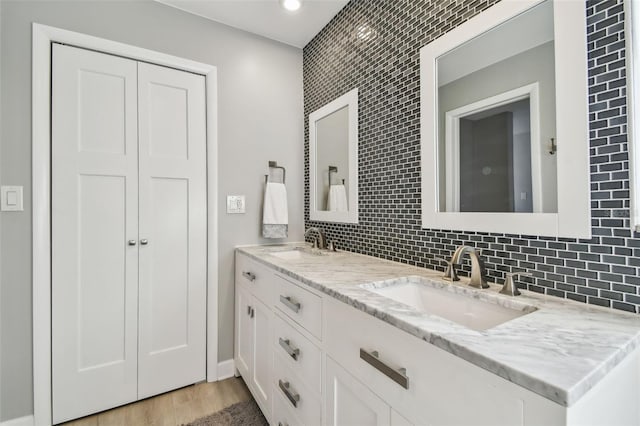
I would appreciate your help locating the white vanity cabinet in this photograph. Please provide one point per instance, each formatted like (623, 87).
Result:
(350, 402)
(311, 359)
(253, 330)
(440, 388)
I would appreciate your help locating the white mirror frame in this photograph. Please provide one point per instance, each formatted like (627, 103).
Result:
(350, 100)
(573, 218)
(632, 38)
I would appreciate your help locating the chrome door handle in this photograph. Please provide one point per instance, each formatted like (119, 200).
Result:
(144, 242)
(286, 345)
(132, 242)
(399, 376)
(249, 276)
(290, 303)
(292, 397)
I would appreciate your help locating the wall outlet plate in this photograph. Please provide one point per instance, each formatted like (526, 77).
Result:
(235, 204)
(11, 199)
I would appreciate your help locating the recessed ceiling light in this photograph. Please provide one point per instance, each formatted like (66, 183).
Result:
(291, 5)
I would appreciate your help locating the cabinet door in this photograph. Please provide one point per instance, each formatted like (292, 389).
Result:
(173, 229)
(348, 402)
(244, 332)
(260, 373)
(94, 212)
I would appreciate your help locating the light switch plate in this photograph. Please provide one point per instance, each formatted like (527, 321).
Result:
(235, 204)
(11, 199)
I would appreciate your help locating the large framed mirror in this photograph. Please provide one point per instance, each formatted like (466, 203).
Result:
(333, 160)
(505, 144)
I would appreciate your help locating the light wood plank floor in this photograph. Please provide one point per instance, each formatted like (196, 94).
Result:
(172, 408)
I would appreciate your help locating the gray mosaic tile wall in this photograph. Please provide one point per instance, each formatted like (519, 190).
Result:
(602, 270)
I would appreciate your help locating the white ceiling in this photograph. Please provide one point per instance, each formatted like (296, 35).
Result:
(266, 17)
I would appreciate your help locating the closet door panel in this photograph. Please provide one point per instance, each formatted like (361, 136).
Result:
(94, 214)
(172, 146)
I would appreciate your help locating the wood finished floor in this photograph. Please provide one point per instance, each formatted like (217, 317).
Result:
(172, 408)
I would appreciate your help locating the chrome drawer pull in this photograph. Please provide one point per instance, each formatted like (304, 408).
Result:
(249, 276)
(399, 376)
(289, 303)
(286, 345)
(292, 397)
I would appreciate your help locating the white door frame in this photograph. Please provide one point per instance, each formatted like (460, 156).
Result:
(452, 141)
(43, 36)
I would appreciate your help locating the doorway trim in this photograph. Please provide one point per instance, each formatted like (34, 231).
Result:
(43, 37)
(452, 141)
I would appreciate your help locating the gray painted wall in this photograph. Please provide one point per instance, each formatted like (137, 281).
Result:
(260, 119)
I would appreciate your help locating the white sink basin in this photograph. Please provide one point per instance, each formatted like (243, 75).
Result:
(297, 253)
(457, 307)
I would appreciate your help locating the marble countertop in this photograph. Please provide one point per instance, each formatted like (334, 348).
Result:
(559, 351)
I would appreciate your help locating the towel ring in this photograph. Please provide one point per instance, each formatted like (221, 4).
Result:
(332, 169)
(274, 165)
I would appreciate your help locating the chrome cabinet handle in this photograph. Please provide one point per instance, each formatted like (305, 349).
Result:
(253, 311)
(132, 242)
(286, 345)
(144, 242)
(399, 376)
(292, 397)
(290, 303)
(250, 311)
(249, 276)
(283, 424)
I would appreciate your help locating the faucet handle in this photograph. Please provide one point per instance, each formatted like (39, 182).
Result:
(449, 273)
(509, 288)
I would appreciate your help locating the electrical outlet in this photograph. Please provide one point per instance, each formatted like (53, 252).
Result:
(235, 204)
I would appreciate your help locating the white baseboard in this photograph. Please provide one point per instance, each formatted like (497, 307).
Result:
(20, 421)
(226, 369)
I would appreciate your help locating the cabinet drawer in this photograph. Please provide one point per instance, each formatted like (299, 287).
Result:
(283, 414)
(301, 305)
(437, 381)
(298, 353)
(257, 277)
(303, 402)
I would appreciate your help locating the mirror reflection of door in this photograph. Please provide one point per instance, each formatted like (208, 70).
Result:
(332, 164)
(495, 160)
(495, 91)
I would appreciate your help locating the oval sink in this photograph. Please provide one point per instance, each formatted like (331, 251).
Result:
(446, 302)
(297, 253)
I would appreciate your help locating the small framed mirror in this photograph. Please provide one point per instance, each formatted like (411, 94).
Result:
(505, 140)
(333, 160)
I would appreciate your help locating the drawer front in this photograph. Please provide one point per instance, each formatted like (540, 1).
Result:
(257, 277)
(303, 402)
(436, 380)
(302, 306)
(298, 353)
(282, 411)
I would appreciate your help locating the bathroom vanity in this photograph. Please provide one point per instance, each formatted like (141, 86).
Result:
(340, 338)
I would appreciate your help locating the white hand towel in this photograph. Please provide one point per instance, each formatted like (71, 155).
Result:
(337, 201)
(275, 215)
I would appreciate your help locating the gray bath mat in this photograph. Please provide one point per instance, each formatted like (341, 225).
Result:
(244, 413)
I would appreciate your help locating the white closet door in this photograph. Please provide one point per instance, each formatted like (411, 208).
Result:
(173, 222)
(94, 214)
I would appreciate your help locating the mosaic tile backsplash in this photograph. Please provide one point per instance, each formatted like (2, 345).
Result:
(385, 67)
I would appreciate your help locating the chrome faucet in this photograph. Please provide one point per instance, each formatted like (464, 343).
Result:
(320, 241)
(478, 279)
